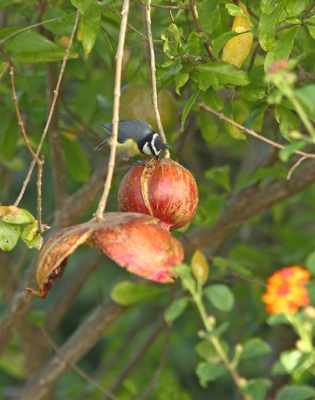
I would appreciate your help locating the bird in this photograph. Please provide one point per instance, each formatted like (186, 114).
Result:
(134, 137)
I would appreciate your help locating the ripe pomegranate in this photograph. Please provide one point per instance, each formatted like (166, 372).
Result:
(166, 190)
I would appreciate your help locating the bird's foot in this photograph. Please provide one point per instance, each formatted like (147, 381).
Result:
(146, 163)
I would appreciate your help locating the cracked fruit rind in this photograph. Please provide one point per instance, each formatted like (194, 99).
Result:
(134, 241)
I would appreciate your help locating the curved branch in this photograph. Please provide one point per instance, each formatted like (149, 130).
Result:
(246, 204)
(77, 345)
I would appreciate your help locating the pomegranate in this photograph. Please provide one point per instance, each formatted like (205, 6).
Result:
(166, 190)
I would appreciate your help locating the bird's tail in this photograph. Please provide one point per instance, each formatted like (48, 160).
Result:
(101, 145)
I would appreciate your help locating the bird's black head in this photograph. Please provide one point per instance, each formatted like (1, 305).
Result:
(152, 145)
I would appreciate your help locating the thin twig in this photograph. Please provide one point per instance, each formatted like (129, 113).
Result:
(64, 61)
(111, 164)
(295, 166)
(28, 145)
(27, 28)
(10, 62)
(161, 365)
(20, 121)
(153, 77)
(160, 6)
(253, 56)
(173, 21)
(253, 133)
(194, 12)
(131, 26)
(75, 367)
(39, 195)
(77, 118)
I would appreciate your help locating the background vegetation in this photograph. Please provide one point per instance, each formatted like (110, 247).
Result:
(246, 134)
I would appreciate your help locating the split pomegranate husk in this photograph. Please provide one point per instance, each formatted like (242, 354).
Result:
(166, 190)
(134, 241)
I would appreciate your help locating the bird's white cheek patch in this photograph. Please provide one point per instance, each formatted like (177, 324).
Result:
(146, 149)
(155, 151)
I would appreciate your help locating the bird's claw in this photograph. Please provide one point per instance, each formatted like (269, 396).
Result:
(146, 163)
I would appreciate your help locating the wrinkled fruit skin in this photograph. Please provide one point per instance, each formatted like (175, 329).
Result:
(134, 241)
(167, 191)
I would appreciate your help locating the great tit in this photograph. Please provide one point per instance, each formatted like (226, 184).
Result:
(134, 137)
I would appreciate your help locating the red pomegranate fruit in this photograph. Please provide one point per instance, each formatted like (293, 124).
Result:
(166, 190)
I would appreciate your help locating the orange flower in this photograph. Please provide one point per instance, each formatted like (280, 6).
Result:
(285, 290)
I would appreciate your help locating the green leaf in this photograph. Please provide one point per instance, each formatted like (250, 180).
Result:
(35, 242)
(192, 47)
(221, 175)
(267, 6)
(220, 296)
(256, 388)
(12, 362)
(44, 56)
(268, 24)
(28, 41)
(181, 79)
(306, 95)
(255, 347)
(76, 161)
(36, 317)
(276, 319)
(225, 73)
(296, 7)
(18, 217)
(233, 130)
(254, 114)
(177, 307)
(311, 30)
(295, 393)
(206, 351)
(188, 106)
(90, 26)
(83, 4)
(209, 15)
(238, 268)
(63, 26)
(252, 93)
(205, 79)
(218, 331)
(209, 372)
(221, 41)
(286, 152)
(220, 262)
(287, 121)
(29, 231)
(9, 139)
(209, 129)
(127, 293)
(211, 99)
(282, 47)
(234, 10)
(9, 235)
(291, 359)
(310, 263)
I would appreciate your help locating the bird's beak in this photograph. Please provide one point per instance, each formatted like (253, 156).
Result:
(166, 146)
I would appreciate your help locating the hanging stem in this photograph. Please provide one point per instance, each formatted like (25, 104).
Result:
(153, 77)
(111, 163)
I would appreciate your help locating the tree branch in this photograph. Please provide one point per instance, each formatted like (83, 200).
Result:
(246, 204)
(76, 346)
